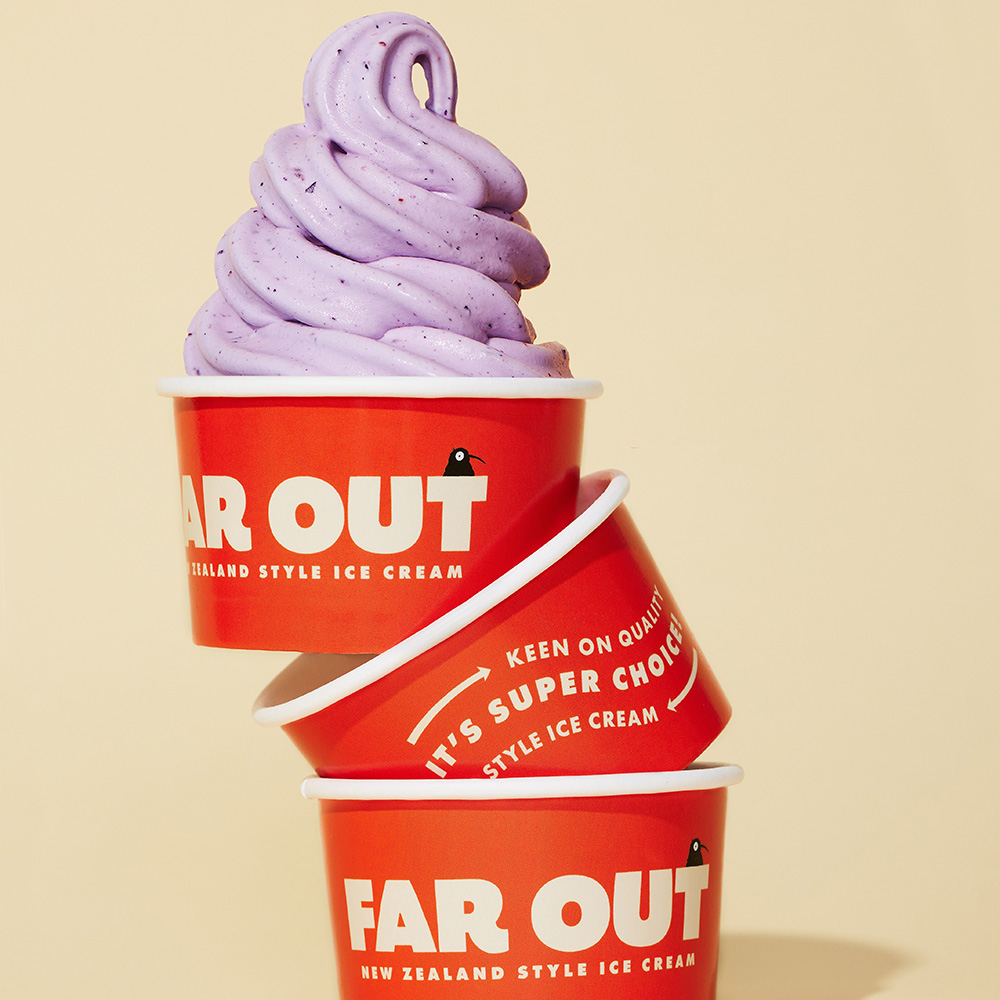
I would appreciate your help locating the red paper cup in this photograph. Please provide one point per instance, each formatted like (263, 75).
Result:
(338, 515)
(585, 886)
(576, 661)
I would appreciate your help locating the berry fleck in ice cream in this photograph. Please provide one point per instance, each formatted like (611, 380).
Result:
(387, 239)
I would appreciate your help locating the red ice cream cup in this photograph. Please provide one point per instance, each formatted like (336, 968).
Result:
(576, 661)
(580, 887)
(339, 515)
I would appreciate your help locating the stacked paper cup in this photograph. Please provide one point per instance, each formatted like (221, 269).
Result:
(500, 698)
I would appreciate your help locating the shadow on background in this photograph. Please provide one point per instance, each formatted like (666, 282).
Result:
(786, 967)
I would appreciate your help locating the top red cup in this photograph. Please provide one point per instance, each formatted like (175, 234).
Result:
(339, 515)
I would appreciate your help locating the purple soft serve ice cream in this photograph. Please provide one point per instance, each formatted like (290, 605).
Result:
(387, 240)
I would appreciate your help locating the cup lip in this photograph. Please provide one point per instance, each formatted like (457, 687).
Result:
(699, 776)
(483, 601)
(376, 386)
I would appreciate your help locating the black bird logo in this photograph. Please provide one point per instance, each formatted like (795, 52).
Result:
(694, 853)
(459, 463)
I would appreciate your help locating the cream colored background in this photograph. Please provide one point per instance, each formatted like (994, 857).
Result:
(774, 230)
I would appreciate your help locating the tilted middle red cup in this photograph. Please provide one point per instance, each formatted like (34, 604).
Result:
(576, 661)
(338, 515)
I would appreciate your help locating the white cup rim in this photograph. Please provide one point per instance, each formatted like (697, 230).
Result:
(453, 621)
(700, 776)
(403, 386)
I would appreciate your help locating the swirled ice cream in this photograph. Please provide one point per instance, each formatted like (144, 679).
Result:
(387, 240)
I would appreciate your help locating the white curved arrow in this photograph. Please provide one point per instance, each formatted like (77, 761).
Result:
(480, 675)
(674, 702)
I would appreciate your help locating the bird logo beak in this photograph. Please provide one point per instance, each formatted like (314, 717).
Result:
(478, 459)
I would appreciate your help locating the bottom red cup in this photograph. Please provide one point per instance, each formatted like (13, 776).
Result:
(582, 886)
